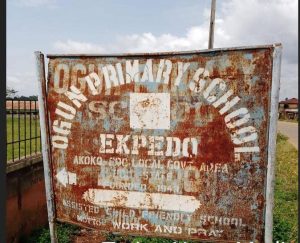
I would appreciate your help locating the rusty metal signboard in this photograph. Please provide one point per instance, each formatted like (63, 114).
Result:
(176, 145)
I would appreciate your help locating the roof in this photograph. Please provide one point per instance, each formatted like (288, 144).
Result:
(289, 101)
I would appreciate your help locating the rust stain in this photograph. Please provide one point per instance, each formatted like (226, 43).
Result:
(191, 168)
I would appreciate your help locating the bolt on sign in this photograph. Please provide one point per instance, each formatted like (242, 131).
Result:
(178, 145)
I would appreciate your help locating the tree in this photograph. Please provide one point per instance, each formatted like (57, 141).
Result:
(11, 93)
(33, 97)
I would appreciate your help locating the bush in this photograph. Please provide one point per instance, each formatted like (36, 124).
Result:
(281, 137)
(64, 234)
(282, 230)
(139, 239)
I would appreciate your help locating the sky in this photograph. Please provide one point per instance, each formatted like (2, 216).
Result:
(118, 26)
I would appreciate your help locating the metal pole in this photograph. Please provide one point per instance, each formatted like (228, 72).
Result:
(212, 25)
(40, 64)
(273, 116)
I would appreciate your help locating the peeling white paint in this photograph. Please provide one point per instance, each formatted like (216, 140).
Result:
(141, 200)
(150, 110)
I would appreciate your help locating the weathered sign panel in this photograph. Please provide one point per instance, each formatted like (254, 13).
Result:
(165, 144)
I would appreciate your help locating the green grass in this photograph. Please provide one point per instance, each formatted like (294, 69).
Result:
(286, 191)
(16, 128)
(285, 208)
(140, 239)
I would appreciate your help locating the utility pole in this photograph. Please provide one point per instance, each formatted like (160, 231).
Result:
(212, 25)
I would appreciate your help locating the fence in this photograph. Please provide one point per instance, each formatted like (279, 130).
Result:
(23, 129)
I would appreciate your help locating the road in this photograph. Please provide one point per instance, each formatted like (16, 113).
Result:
(290, 130)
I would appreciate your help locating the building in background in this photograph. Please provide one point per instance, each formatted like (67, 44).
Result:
(288, 109)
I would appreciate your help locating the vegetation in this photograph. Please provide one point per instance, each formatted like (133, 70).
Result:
(31, 97)
(20, 127)
(286, 191)
(64, 234)
(140, 239)
(12, 94)
(19, 130)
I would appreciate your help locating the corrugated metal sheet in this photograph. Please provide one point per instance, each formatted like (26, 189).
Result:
(167, 144)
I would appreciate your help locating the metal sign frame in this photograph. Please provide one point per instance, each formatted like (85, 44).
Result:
(273, 107)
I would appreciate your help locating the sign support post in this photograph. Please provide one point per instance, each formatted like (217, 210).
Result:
(272, 142)
(44, 125)
(212, 24)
